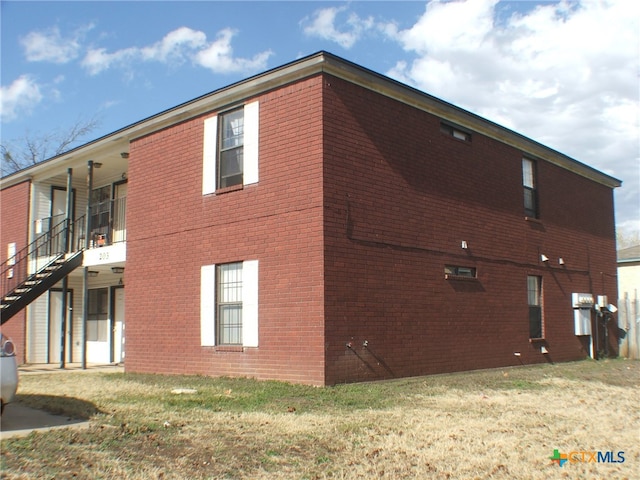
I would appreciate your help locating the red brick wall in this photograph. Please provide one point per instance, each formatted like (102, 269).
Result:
(400, 197)
(353, 251)
(14, 213)
(173, 230)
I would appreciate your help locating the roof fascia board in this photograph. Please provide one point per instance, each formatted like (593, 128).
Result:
(53, 166)
(199, 106)
(235, 93)
(629, 260)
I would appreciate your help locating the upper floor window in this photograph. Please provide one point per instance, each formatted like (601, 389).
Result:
(455, 132)
(530, 188)
(100, 206)
(230, 149)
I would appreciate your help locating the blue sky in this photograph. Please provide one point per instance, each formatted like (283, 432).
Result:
(562, 73)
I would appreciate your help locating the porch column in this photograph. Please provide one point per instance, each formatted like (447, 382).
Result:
(65, 280)
(85, 276)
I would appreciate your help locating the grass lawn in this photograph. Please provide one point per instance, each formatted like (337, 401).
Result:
(493, 424)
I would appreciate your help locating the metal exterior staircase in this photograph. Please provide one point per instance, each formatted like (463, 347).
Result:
(37, 284)
(18, 287)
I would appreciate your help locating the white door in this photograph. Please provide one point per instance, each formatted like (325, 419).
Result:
(98, 338)
(58, 205)
(38, 331)
(51, 244)
(55, 326)
(118, 328)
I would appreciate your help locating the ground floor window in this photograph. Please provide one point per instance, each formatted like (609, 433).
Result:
(229, 304)
(98, 316)
(534, 293)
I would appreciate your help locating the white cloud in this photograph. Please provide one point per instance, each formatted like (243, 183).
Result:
(19, 98)
(178, 46)
(98, 60)
(323, 25)
(451, 25)
(50, 46)
(564, 74)
(628, 228)
(218, 56)
(175, 45)
(107, 104)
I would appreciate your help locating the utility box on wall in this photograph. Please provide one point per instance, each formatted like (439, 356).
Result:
(582, 305)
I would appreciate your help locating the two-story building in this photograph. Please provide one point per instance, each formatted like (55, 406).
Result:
(317, 223)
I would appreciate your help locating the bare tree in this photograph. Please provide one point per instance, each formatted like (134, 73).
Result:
(31, 149)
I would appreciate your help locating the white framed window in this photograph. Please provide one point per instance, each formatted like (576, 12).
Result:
(534, 299)
(230, 148)
(229, 304)
(530, 188)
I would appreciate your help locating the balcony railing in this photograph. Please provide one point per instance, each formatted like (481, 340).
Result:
(49, 238)
(108, 226)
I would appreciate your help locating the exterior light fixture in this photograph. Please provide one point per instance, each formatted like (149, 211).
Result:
(544, 258)
(97, 164)
(124, 154)
(117, 269)
(93, 273)
(561, 261)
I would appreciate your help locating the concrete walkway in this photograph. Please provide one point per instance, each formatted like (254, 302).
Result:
(69, 367)
(19, 420)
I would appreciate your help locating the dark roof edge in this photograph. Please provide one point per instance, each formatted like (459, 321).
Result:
(329, 63)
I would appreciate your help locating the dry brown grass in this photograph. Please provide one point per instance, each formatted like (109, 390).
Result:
(498, 424)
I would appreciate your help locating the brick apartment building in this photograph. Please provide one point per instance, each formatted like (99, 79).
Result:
(317, 223)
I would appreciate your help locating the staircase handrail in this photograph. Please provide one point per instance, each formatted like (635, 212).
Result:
(14, 270)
